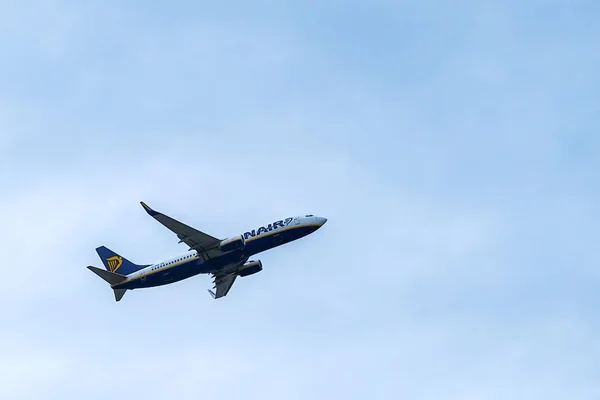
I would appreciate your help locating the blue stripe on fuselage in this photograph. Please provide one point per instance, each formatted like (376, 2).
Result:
(195, 266)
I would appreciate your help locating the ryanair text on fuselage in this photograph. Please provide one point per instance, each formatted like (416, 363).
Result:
(268, 228)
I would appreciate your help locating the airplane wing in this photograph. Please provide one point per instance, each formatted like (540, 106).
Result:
(195, 239)
(223, 282)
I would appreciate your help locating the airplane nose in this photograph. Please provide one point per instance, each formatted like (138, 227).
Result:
(321, 221)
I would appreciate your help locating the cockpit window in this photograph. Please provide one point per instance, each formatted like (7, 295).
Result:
(309, 215)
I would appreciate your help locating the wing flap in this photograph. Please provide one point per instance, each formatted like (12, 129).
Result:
(223, 283)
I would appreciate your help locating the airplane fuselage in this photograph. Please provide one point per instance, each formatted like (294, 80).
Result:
(233, 251)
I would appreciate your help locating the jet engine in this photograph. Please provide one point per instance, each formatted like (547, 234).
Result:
(231, 244)
(251, 267)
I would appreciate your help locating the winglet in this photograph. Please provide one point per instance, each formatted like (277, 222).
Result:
(148, 209)
(211, 293)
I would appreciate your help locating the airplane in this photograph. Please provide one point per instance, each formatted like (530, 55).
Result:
(224, 259)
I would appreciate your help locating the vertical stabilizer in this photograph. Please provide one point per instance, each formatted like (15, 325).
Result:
(116, 263)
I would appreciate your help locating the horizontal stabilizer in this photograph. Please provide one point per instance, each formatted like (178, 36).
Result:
(110, 277)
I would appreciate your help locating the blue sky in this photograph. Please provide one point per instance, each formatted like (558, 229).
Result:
(453, 148)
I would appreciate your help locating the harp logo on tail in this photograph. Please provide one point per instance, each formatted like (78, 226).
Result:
(114, 263)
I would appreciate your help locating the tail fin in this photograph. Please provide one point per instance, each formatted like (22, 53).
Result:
(113, 262)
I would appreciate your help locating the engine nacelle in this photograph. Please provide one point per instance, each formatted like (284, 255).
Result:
(251, 267)
(231, 244)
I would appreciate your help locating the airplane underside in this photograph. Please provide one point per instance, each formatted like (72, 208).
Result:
(224, 259)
